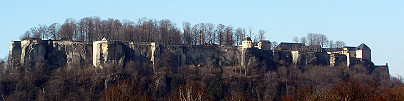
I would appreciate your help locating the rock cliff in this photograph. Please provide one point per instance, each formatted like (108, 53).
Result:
(59, 53)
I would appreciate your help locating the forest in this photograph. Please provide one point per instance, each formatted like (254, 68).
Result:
(91, 29)
(136, 81)
(164, 31)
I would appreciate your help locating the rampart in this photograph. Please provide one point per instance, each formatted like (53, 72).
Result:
(58, 53)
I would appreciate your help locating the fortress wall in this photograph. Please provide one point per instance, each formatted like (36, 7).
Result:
(69, 53)
(54, 53)
(201, 54)
(14, 58)
(231, 55)
(139, 49)
(295, 56)
(32, 51)
(74, 54)
(178, 55)
(108, 52)
(322, 59)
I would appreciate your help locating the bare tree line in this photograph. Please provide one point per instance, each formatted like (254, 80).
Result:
(315, 39)
(90, 29)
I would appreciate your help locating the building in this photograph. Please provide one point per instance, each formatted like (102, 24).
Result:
(247, 43)
(289, 46)
(361, 52)
(264, 45)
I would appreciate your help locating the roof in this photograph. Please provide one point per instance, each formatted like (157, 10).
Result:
(289, 46)
(288, 43)
(349, 47)
(247, 39)
(387, 65)
(32, 39)
(363, 46)
(265, 41)
(332, 49)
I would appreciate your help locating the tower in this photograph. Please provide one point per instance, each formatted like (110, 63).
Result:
(246, 43)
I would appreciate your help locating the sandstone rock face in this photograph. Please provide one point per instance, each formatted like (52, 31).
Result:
(32, 51)
(68, 53)
(105, 52)
(55, 53)
(15, 54)
(178, 55)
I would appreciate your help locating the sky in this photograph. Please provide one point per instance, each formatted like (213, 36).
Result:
(379, 24)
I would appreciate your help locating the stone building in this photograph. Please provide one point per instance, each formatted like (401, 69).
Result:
(247, 43)
(361, 52)
(289, 46)
(103, 53)
(264, 45)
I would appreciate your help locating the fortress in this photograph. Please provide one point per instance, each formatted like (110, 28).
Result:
(66, 53)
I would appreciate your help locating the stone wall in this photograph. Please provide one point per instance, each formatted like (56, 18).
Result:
(99, 53)
(68, 53)
(14, 54)
(52, 52)
(32, 51)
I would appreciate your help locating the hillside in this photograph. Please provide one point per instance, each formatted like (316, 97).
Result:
(156, 61)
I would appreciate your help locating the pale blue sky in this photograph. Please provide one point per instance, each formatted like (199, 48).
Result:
(378, 24)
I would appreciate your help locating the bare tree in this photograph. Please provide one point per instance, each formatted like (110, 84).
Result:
(130, 31)
(175, 34)
(26, 35)
(187, 33)
(261, 35)
(106, 29)
(53, 31)
(272, 80)
(68, 29)
(339, 44)
(43, 30)
(210, 34)
(317, 39)
(86, 29)
(239, 35)
(295, 39)
(220, 33)
(39, 32)
(250, 31)
(312, 39)
(229, 36)
(195, 34)
(149, 30)
(35, 32)
(323, 40)
(164, 31)
(331, 44)
(274, 44)
(115, 27)
(303, 40)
